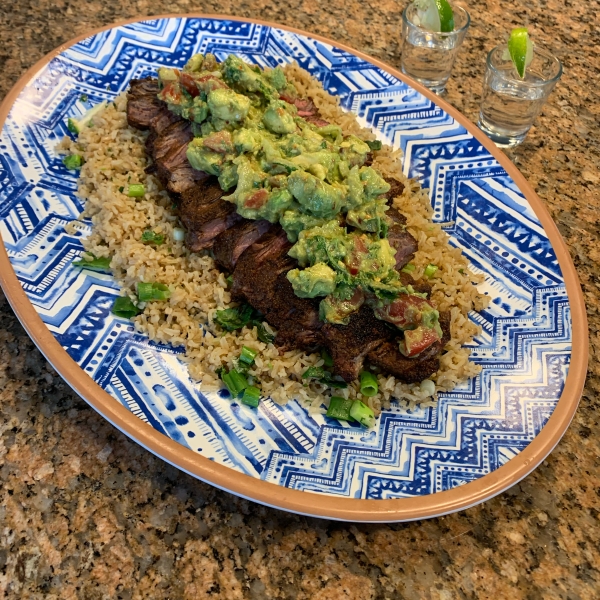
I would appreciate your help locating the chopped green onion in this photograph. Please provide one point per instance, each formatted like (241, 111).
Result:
(178, 234)
(409, 268)
(251, 396)
(374, 145)
(76, 125)
(327, 360)
(248, 355)
(430, 270)
(315, 373)
(100, 263)
(236, 383)
(124, 307)
(368, 384)
(362, 413)
(339, 408)
(136, 190)
(229, 279)
(83, 97)
(231, 319)
(324, 377)
(153, 291)
(73, 161)
(149, 237)
(262, 333)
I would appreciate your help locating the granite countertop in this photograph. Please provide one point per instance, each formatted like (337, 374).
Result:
(86, 513)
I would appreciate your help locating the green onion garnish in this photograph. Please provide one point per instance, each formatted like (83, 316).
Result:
(72, 125)
(136, 190)
(149, 237)
(229, 280)
(83, 97)
(374, 145)
(251, 396)
(362, 413)
(231, 319)
(324, 377)
(248, 355)
(73, 161)
(236, 383)
(153, 291)
(327, 360)
(368, 384)
(100, 263)
(124, 307)
(262, 333)
(339, 408)
(430, 270)
(409, 268)
(315, 373)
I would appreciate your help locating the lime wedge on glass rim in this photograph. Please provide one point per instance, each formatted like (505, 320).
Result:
(520, 50)
(435, 15)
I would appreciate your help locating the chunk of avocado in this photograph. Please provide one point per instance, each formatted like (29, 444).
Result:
(278, 118)
(318, 280)
(227, 105)
(319, 198)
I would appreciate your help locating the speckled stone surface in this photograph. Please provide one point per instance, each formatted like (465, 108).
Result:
(86, 513)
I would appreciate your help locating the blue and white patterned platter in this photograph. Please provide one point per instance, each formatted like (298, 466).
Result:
(524, 348)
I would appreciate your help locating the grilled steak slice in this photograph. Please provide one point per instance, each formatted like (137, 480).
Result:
(402, 241)
(205, 214)
(260, 278)
(396, 189)
(349, 344)
(388, 357)
(143, 105)
(230, 244)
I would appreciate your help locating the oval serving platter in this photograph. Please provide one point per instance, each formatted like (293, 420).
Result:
(477, 441)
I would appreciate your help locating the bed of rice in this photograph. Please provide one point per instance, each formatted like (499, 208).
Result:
(114, 156)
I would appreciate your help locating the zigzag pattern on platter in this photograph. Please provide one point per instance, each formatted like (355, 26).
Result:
(436, 469)
(358, 465)
(149, 378)
(333, 464)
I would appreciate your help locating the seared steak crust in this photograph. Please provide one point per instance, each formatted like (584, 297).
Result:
(205, 214)
(230, 244)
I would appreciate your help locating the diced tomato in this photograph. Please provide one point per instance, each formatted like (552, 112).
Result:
(219, 141)
(208, 83)
(353, 260)
(189, 83)
(405, 311)
(257, 199)
(417, 340)
(171, 93)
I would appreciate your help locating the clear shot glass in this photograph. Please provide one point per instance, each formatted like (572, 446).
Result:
(509, 104)
(427, 56)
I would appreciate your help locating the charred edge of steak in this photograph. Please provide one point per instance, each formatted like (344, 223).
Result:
(260, 277)
(143, 104)
(388, 357)
(230, 244)
(349, 344)
(396, 189)
(400, 239)
(205, 214)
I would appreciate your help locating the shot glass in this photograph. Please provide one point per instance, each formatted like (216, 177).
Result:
(509, 104)
(428, 56)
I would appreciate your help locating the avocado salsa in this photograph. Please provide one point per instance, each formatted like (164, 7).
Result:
(310, 179)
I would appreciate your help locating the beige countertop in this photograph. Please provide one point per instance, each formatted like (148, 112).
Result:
(86, 513)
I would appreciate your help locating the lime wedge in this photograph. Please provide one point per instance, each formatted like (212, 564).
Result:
(520, 49)
(435, 15)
